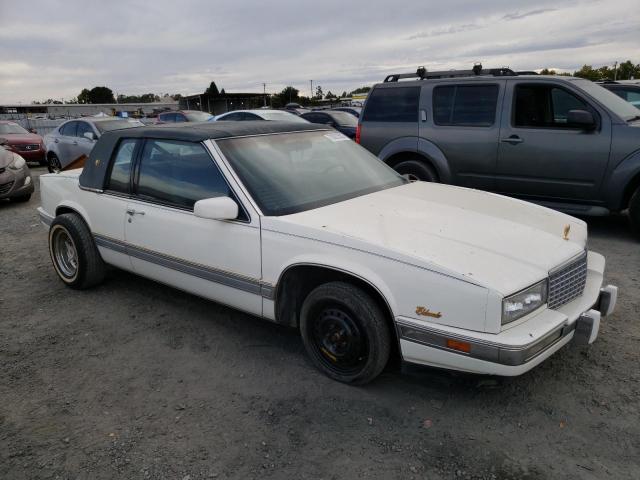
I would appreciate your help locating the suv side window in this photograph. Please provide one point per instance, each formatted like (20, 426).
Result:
(119, 178)
(69, 129)
(179, 174)
(396, 104)
(465, 105)
(544, 106)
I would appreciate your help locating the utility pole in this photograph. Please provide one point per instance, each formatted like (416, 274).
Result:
(311, 88)
(615, 71)
(264, 92)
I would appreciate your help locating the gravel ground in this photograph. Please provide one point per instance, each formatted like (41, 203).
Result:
(135, 380)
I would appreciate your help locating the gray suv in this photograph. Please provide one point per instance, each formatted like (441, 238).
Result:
(562, 142)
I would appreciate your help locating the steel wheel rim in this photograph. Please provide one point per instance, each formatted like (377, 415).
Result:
(55, 163)
(339, 340)
(65, 253)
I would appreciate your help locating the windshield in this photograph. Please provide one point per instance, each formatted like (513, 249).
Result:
(198, 116)
(11, 128)
(109, 125)
(282, 116)
(293, 172)
(617, 105)
(344, 119)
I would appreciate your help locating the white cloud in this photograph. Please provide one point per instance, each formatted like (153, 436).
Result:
(161, 46)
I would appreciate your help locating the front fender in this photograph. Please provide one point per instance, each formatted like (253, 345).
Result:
(616, 185)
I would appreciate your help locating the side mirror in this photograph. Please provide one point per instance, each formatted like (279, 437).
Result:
(32, 130)
(217, 208)
(90, 135)
(581, 118)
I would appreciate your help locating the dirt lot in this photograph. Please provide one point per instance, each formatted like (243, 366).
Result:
(136, 380)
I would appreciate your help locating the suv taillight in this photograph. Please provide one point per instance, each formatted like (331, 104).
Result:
(358, 131)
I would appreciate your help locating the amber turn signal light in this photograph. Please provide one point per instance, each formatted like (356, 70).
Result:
(457, 345)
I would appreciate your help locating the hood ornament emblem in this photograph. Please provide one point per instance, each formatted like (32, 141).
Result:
(565, 232)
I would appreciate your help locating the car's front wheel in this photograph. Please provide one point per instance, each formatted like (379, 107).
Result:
(53, 163)
(415, 170)
(634, 211)
(73, 252)
(345, 333)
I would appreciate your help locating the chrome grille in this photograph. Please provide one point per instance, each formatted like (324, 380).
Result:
(567, 282)
(28, 148)
(5, 187)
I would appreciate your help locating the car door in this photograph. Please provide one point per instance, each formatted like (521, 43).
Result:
(541, 155)
(217, 259)
(66, 142)
(84, 145)
(462, 121)
(108, 209)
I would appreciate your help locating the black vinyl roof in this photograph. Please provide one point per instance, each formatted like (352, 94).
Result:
(200, 131)
(95, 169)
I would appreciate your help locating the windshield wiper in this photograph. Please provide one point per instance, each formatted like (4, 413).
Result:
(633, 119)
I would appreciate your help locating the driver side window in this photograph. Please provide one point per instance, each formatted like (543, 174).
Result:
(545, 106)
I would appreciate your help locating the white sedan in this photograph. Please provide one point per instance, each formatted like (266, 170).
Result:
(258, 114)
(296, 224)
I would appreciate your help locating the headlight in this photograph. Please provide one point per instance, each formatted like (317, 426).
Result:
(524, 302)
(18, 163)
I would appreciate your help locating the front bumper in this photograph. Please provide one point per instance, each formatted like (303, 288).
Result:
(517, 350)
(31, 155)
(15, 183)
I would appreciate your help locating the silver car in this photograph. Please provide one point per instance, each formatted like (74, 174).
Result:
(260, 114)
(77, 137)
(15, 178)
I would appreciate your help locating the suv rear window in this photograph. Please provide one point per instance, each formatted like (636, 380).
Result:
(399, 104)
(465, 105)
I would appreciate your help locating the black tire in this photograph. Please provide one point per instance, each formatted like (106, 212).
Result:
(21, 198)
(634, 211)
(89, 267)
(345, 333)
(416, 170)
(53, 163)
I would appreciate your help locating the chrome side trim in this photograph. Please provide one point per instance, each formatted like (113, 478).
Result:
(45, 217)
(483, 350)
(89, 189)
(222, 277)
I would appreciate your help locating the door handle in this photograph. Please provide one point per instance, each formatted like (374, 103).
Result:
(423, 115)
(57, 141)
(131, 211)
(513, 139)
(74, 142)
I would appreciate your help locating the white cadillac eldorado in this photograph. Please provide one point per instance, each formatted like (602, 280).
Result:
(296, 224)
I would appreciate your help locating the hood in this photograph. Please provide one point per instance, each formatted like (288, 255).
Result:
(483, 238)
(21, 138)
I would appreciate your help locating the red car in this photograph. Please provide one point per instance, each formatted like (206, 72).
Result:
(18, 140)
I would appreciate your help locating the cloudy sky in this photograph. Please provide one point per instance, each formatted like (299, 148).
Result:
(53, 49)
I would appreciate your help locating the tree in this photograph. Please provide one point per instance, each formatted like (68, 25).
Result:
(287, 95)
(546, 71)
(360, 90)
(212, 90)
(222, 93)
(319, 93)
(84, 96)
(344, 95)
(588, 72)
(627, 71)
(329, 95)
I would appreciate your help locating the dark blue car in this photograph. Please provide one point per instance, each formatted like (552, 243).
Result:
(344, 122)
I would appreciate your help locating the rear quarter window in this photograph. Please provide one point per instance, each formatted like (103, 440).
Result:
(465, 105)
(398, 104)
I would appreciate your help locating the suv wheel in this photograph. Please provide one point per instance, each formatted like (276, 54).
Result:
(634, 211)
(53, 163)
(415, 170)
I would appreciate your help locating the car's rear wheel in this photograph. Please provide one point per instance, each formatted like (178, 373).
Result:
(634, 211)
(345, 333)
(73, 252)
(53, 163)
(415, 170)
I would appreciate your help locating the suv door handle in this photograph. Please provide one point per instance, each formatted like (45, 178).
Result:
(513, 139)
(75, 142)
(57, 141)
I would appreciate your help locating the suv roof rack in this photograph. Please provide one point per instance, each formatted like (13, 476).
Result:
(477, 70)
